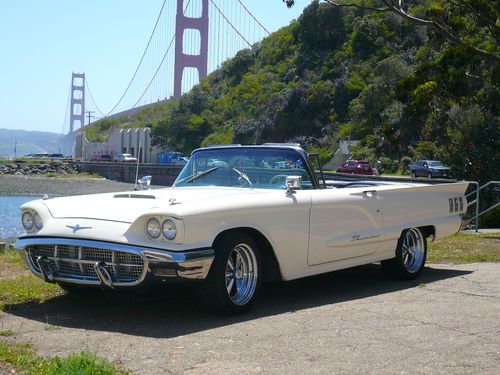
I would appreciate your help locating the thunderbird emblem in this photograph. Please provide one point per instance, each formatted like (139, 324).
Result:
(77, 227)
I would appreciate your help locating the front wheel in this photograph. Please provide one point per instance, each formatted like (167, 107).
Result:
(236, 274)
(429, 175)
(411, 253)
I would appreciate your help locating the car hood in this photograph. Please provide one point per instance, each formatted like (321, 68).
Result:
(128, 206)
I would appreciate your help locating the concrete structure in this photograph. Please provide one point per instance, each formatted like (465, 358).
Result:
(163, 174)
(77, 111)
(341, 155)
(135, 141)
(182, 60)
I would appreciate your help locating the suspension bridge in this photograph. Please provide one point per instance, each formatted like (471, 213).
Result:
(189, 39)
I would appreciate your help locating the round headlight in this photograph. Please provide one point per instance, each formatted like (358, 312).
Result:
(38, 221)
(153, 228)
(27, 220)
(169, 230)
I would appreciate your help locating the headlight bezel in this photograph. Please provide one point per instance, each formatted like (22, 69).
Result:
(167, 223)
(152, 220)
(173, 230)
(27, 214)
(37, 223)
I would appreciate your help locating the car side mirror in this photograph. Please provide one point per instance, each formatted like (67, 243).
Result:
(144, 182)
(292, 183)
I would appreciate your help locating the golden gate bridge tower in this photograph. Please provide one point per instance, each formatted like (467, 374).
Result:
(183, 60)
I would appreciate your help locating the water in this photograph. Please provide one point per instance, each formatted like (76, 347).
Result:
(10, 215)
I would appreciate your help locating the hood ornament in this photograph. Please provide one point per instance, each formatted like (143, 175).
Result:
(77, 227)
(173, 201)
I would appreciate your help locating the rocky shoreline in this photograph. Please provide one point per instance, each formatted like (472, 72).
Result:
(50, 167)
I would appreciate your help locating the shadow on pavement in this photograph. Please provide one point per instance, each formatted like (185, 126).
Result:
(170, 312)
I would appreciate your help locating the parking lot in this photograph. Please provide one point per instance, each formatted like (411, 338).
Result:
(351, 321)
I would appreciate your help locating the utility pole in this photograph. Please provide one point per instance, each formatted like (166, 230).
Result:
(15, 150)
(89, 115)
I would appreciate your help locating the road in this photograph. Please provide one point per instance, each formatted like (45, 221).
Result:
(351, 321)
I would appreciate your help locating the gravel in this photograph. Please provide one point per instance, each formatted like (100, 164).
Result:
(35, 185)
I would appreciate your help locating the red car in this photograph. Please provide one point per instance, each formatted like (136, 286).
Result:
(356, 167)
(100, 158)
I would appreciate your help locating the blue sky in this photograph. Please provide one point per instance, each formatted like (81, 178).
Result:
(43, 41)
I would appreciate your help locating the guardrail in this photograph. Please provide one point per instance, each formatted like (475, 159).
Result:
(476, 201)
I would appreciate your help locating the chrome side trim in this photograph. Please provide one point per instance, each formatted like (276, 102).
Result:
(193, 264)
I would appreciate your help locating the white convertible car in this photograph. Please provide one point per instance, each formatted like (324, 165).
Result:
(235, 217)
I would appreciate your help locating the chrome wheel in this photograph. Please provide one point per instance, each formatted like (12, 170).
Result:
(410, 256)
(413, 250)
(241, 274)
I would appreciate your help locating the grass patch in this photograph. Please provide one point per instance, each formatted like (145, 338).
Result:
(10, 258)
(23, 358)
(18, 284)
(50, 327)
(7, 333)
(26, 288)
(465, 248)
(91, 176)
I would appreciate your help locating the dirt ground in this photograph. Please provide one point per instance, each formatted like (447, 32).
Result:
(351, 321)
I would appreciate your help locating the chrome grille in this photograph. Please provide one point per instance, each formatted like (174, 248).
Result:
(77, 262)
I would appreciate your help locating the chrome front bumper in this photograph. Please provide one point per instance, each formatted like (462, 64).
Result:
(107, 259)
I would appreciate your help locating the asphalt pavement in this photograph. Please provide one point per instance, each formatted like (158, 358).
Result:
(348, 322)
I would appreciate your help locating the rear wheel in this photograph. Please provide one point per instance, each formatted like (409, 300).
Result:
(236, 275)
(429, 175)
(413, 175)
(411, 253)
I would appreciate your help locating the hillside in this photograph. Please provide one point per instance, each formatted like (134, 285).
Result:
(346, 72)
(28, 142)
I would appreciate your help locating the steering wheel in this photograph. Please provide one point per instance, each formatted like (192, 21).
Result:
(279, 179)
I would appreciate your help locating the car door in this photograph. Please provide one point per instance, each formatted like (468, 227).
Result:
(344, 223)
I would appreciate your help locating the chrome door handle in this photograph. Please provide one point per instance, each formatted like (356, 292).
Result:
(370, 193)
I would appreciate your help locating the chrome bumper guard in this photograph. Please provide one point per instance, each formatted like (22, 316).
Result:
(108, 264)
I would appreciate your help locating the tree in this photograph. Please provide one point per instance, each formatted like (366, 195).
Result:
(470, 23)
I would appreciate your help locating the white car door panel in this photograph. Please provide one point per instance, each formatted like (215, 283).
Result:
(345, 223)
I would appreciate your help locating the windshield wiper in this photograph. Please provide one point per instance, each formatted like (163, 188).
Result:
(196, 175)
(244, 176)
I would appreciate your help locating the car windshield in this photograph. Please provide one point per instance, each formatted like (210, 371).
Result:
(127, 155)
(261, 168)
(436, 163)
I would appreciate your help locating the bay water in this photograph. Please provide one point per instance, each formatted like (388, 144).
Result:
(10, 215)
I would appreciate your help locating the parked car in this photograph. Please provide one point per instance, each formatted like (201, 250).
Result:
(430, 169)
(235, 224)
(356, 167)
(172, 157)
(101, 158)
(126, 158)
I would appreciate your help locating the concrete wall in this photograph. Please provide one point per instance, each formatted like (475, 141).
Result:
(121, 141)
(163, 175)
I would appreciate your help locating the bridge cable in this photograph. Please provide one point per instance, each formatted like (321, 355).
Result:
(255, 19)
(92, 98)
(66, 111)
(140, 62)
(229, 22)
(159, 66)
